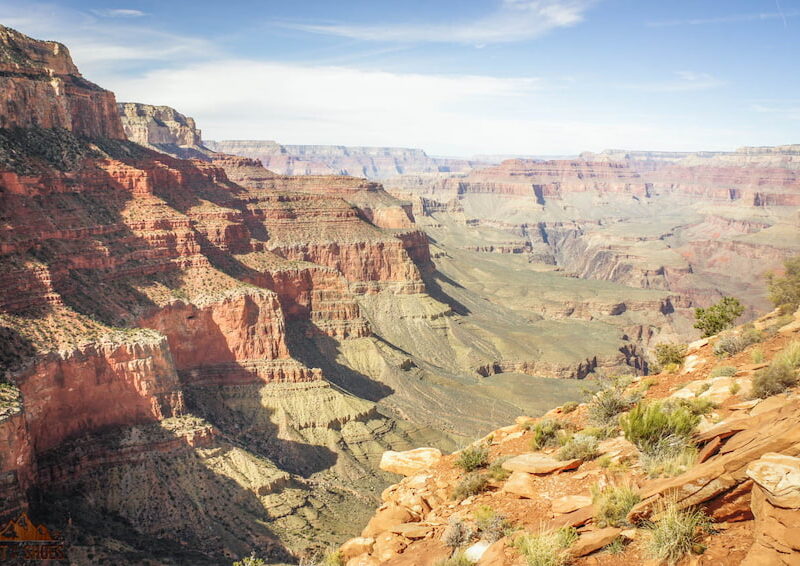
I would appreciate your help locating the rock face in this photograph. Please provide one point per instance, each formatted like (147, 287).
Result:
(370, 162)
(162, 128)
(43, 88)
(410, 462)
(776, 507)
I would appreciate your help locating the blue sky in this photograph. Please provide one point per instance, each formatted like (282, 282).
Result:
(456, 77)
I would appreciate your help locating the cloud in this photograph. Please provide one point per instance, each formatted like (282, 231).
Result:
(515, 20)
(729, 19)
(789, 110)
(119, 13)
(445, 114)
(683, 81)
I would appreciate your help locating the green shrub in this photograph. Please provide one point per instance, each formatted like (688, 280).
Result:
(546, 548)
(657, 426)
(790, 355)
(608, 403)
(734, 388)
(581, 446)
(718, 317)
(774, 379)
(333, 558)
(723, 371)
(696, 405)
(473, 458)
(731, 343)
(612, 504)
(617, 546)
(251, 560)
(669, 353)
(472, 484)
(784, 292)
(669, 460)
(757, 356)
(676, 532)
(569, 407)
(545, 433)
(458, 532)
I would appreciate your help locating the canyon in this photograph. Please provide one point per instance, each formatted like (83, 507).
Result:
(207, 347)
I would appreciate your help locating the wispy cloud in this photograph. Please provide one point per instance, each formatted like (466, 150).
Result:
(119, 13)
(789, 109)
(515, 20)
(729, 19)
(681, 81)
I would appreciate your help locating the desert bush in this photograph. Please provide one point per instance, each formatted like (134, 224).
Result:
(774, 379)
(545, 433)
(569, 407)
(718, 317)
(669, 459)
(790, 355)
(458, 559)
(784, 291)
(658, 427)
(491, 525)
(617, 546)
(734, 388)
(496, 471)
(669, 353)
(546, 548)
(251, 560)
(581, 446)
(731, 343)
(333, 558)
(473, 484)
(720, 371)
(757, 356)
(612, 504)
(676, 532)
(458, 532)
(473, 458)
(608, 403)
(696, 405)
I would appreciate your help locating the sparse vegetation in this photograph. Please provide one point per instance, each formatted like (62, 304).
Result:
(612, 504)
(718, 317)
(676, 532)
(617, 546)
(696, 406)
(545, 433)
(581, 446)
(472, 484)
(731, 343)
(757, 356)
(774, 379)
(784, 291)
(608, 403)
(661, 431)
(491, 525)
(722, 371)
(668, 353)
(458, 532)
(497, 472)
(569, 407)
(251, 560)
(734, 389)
(473, 458)
(790, 355)
(546, 548)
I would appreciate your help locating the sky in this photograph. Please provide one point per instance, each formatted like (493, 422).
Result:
(454, 77)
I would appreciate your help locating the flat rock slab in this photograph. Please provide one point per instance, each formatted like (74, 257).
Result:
(570, 503)
(412, 530)
(533, 463)
(779, 475)
(594, 540)
(410, 462)
(521, 484)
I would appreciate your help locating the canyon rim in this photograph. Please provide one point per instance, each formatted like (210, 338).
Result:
(243, 351)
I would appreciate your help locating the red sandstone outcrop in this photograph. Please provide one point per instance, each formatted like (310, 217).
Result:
(42, 87)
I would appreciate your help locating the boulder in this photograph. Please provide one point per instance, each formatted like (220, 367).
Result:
(410, 462)
(776, 509)
(594, 540)
(521, 484)
(363, 560)
(386, 518)
(570, 503)
(387, 546)
(356, 546)
(412, 530)
(423, 553)
(495, 555)
(534, 463)
(477, 550)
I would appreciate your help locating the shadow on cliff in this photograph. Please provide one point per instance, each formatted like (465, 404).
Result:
(172, 506)
(321, 351)
(433, 284)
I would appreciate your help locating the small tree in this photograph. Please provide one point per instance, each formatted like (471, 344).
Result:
(717, 318)
(784, 292)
